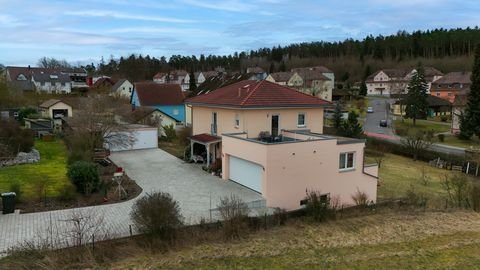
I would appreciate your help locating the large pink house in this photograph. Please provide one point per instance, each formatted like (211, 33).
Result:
(269, 139)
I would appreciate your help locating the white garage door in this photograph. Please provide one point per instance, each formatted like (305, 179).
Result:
(246, 173)
(139, 139)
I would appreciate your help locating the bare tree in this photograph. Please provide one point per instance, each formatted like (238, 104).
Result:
(99, 124)
(416, 143)
(46, 62)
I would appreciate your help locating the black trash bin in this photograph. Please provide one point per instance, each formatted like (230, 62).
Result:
(8, 202)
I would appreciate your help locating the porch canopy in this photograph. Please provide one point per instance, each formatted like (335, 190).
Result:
(206, 140)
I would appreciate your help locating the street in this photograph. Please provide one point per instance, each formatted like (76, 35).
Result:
(372, 127)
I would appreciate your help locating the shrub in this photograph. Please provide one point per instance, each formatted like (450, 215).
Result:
(441, 137)
(67, 193)
(170, 132)
(184, 135)
(360, 198)
(319, 206)
(15, 138)
(157, 215)
(280, 216)
(17, 188)
(475, 197)
(84, 175)
(458, 189)
(443, 118)
(415, 199)
(234, 213)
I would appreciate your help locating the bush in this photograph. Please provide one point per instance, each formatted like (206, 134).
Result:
(17, 188)
(360, 198)
(234, 213)
(441, 137)
(319, 206)
(15, 138)
(184, 135)
(170, 132)
(84, 175)
(157, 215)
(458, 189)
(415, 199)
(67, 193)
(443, 118)
(475, 197)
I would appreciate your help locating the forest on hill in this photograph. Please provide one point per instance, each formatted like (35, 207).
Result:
(445, 49)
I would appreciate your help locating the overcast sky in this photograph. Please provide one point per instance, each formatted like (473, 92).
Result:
(84, 30)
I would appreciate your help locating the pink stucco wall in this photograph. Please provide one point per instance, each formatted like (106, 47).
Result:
(292, 168)
(253, 121)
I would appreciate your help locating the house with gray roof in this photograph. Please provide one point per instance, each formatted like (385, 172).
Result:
(122, 88)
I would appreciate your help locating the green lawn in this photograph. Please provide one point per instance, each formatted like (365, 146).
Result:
(51, 169)
(424, 125)
(175, 147)
(397, 175)
(454, 141)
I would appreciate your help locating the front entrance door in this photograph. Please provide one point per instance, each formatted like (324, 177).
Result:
(275, 123)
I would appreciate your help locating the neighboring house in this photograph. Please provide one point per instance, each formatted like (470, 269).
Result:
(56, 111)
(9, 113)
(199, 78)
(458, 107)
(168, 98)
(60, 80)
(291, 79)
(257, 73)
(103, 83)
(57, 83)
(122, 88)
(153, 117)
(317, 81)
(450, 85)
(269, 139)
(40, 127)
(385, 82)
(160, 77)
(436, 106)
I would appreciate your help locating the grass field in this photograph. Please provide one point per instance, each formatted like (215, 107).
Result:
(423, 125)
(51, 169)
(382, 241)
(174, 147)
(398, 174)
(454, 141)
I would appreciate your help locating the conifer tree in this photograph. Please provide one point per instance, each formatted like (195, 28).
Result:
(416, 100)
(337, 117)
(193, 84)
(472, 111)
(352, 128)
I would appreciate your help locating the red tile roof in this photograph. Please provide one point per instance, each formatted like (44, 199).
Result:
(205, 138)
(250, 93)
(151, 94)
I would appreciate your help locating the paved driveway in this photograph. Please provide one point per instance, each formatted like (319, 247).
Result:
(195, 190)
(154, 170)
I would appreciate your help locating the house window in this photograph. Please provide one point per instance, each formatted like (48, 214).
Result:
(347, 161)
(449, 94)
(237, 120)
(438, 94)
(301, 120)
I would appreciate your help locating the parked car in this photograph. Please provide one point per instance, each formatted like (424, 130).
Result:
(383, 123)
(369, 110)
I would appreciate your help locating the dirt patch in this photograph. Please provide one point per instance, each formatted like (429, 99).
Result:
(106, 195)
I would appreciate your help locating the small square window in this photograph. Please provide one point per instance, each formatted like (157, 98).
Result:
(301, 120)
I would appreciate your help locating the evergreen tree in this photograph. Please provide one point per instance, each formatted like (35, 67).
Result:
(337, 117)
(283, 67)
(193, 83)
(466, 131)
(352, 128)
(363, 86)
(416, 100)
(472, 111)
(272, 68)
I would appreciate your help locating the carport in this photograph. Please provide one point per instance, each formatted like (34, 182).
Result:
(207, 141)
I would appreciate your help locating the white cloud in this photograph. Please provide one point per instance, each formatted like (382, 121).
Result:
(120, 15)
(9, 21)
(231, 5)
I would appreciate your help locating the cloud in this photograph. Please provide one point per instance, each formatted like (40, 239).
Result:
(231, 5)
(9, 21)
(121, 15)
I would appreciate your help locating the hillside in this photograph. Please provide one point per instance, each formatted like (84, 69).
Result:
(390, 241)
